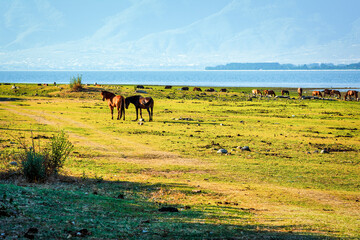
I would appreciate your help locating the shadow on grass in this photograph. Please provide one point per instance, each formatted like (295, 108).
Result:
(11, 99)
(25, 130)
(79, 207)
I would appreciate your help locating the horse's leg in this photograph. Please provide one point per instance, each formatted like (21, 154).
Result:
(118, 110)
(137, 114)
(152, 113)
(149, 114)
(141, 113)
(112, 112)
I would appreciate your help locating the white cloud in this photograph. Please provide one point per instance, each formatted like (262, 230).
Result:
(22, 35)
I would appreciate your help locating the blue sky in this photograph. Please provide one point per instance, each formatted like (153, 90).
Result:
(166, 34)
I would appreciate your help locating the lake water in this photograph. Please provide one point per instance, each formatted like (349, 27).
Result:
(304, 79)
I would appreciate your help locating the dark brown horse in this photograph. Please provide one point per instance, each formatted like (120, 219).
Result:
(141, 103)
(351, 93)
(285, 92)
(300, 90)
(272, 93)
(335, 92)
(316, 93)
(327, 92)
(269, 92)
(114, 101)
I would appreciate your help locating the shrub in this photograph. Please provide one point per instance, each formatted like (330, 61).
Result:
(59, 149)
(75, 83)
(38, 166)
(33, 167)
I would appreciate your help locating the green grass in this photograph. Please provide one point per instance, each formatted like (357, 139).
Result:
(283, 188)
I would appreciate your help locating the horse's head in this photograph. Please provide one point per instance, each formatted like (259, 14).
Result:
(127, 102)
(103, 95)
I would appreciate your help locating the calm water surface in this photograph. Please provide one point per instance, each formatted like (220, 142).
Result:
(305, 79)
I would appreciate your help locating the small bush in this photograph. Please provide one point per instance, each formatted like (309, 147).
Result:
(75, 83)
(34, 167)
(37, 166)
(59, 149)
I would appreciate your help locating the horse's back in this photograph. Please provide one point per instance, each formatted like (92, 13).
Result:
(118, 100)
(146, 101)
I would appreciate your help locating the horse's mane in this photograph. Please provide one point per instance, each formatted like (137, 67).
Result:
(107, 94)
(134, 97)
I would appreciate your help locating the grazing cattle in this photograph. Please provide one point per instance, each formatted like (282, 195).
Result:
(210, 90)
(335, 92)
(45, 84)
(256, 92)
(168, 87)
(197, 89)
(327, 92)
(316, 93)
(351, 93)
(140, 86)
(114, 101)
(223, 90)
(185, 88)
(285, 92)
(141, 103)
(300, 90)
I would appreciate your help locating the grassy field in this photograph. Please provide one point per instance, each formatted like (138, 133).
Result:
(121, 173)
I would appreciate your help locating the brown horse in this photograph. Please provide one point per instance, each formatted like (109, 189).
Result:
(327, 92)
(114, 101)
(285, 92)
(316, 93)
(272, 93)
(335, 92)
(141, 103)
(300, 90)
(269, 92)
(351, 93)
(256, 92)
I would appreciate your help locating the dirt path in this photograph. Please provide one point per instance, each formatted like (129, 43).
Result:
(146, 156)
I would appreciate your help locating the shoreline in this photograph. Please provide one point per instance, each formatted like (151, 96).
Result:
(338, 79)
(341, 89)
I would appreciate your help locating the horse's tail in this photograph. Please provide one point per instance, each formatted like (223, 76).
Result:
(123, 106)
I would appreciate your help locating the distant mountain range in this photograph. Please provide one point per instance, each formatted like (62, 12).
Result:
(172, 35)
(278, 66)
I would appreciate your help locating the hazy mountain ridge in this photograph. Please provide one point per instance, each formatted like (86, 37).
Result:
(278, 66)
(153, 34)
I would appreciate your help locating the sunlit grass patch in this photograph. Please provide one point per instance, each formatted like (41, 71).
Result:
(120, 172)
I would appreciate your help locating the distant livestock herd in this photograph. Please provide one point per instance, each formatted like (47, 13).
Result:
(255, 92)
(326, 92)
